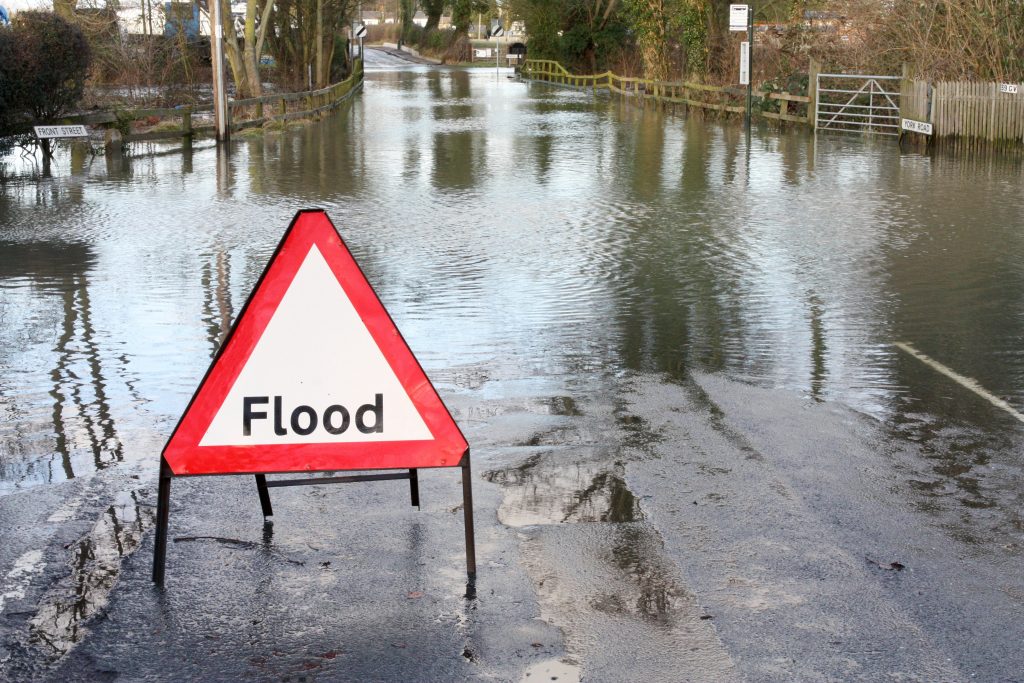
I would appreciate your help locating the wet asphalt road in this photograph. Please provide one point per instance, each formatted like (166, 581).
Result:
(713, 548)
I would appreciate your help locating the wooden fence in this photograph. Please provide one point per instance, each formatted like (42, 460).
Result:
(977, 113)
(971, 114)
(245, 113)
(252, 112)
(710, 97)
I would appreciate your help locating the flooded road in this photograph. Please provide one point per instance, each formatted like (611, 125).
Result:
(690, 367)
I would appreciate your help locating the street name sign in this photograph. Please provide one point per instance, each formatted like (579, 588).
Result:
(916, 126)
(738, 17)
(1009, 88)
(61, 132)
(313, 376)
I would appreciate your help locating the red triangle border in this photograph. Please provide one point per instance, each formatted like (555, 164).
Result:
(185, 456)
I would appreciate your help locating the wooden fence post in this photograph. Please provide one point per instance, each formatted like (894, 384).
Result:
(812, 92)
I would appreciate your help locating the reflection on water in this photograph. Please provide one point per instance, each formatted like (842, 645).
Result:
(95, 566)
(546, 241)
(79, 416)
(637, 554)
(217, 310)
(541, 491)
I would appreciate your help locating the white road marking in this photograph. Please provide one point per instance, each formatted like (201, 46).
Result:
(18, 578)
(962, 380)
(66, 511)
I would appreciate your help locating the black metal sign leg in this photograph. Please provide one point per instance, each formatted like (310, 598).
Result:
(414, 487)
(467, 511)
(261, 486)
(163, 510)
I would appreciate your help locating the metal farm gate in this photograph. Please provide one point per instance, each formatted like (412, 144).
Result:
(856, 103)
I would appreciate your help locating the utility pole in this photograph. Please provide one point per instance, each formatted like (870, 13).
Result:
(220, 95)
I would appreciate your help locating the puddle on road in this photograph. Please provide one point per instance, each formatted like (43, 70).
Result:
(553, 670)
(639, 556)
(540, 490)
(622, 604)
(96, 564)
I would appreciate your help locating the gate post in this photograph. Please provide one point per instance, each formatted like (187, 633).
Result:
(812, 92)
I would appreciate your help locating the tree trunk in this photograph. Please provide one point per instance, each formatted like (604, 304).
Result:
(652, 40)
(320, 81)
(243, 60)
(434, 9)
(251, 59)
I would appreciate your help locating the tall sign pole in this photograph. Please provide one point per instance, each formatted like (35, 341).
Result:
(750, 63)
(496, 32)
(741, 18)
(220, 96)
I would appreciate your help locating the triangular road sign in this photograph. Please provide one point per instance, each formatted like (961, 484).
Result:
(314, 376)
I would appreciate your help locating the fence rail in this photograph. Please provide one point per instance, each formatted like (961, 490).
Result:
(700, 95)
(858, 103)
(964, 113)
(242, 114)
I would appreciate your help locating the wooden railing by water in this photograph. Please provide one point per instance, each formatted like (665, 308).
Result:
(252, 111)
(710, 97)
(245, 113)
(966, 115)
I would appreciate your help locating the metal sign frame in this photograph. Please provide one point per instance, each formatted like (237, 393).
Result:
(308, 225)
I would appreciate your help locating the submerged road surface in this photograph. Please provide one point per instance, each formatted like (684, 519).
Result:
(739, 411)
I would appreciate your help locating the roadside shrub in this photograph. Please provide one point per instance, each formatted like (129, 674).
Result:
(437, 41)
(412, 35)
(8, 102)
(47, 65)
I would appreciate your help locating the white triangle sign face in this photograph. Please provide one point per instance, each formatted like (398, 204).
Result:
(316, 357)
(314, 376)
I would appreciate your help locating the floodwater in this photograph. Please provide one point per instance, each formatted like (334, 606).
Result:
(539, 249)
(526, 228)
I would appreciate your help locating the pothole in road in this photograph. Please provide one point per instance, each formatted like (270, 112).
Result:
(553, 670)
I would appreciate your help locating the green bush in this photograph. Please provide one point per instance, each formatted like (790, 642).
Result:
(44, 66)
(8, 87)
(437, 41)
